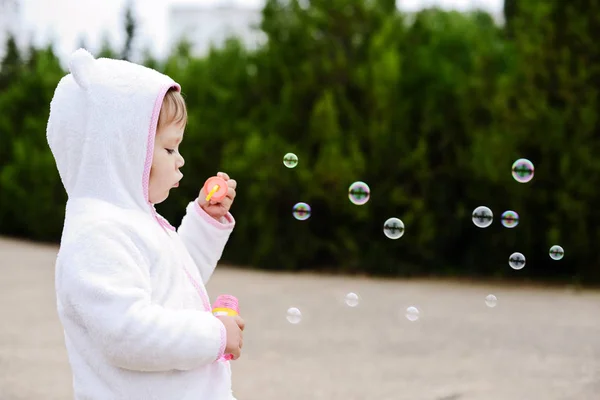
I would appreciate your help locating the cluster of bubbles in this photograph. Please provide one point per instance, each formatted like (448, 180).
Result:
(294, 315)
(523, 172)
(359, 194)
(483, 217)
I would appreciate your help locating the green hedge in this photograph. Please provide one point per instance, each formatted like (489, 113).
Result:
(429, 109)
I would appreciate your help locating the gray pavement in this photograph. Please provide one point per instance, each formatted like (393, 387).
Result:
(537, 343)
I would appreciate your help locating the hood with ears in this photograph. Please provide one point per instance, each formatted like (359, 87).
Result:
(103, 120)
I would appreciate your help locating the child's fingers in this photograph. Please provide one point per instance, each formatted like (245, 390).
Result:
(240, 322)
(202, 201)
(232, 183)
(226, 203)
(231, 193)
(223, 175)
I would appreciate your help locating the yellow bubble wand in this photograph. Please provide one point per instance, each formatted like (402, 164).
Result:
(212, 192)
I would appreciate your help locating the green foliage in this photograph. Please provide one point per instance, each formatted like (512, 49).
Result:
(429, 109)
(31, 194)
(130, 32)
(552, 105)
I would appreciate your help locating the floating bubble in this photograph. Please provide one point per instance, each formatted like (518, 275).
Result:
(301, 211)
(509, 219)
(393, 228)
(352, 299)
(522, 170)
(482, 217)
(294, 315)
(516, 261)
(359, 193)
(290, 160)
(412, 314)
(491, 301)
(557, 252)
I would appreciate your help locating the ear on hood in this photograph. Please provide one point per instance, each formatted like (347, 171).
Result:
(101, 129)
(80, 66)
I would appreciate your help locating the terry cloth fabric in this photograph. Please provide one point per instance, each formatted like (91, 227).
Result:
(130, 288)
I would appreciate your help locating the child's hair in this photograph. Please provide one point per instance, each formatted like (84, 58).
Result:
(173, 109)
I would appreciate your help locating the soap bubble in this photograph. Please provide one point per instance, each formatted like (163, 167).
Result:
(509, 219)
(294, 315)
(482, 217)
(412, 314)
(491, 301)
(516, 261)
(393, 228)
(301, 211)
(557, 252)
(352, 299)
(290, 160)
(359, 193)
(522, 170)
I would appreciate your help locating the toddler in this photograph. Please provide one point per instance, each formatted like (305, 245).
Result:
(130, 288)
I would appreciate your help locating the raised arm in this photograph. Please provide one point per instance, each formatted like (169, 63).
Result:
(204, 237)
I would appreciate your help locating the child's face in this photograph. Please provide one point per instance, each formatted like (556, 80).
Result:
(166, 162)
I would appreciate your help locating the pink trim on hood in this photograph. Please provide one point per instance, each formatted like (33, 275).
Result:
(150, 151)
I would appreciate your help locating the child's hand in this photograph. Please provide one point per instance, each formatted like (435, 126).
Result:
(218, 210)
(235, 340)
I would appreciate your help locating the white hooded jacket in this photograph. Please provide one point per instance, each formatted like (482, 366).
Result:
(130, 289)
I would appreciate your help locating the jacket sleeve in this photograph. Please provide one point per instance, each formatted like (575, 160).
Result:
(204, 237)
(103, 283)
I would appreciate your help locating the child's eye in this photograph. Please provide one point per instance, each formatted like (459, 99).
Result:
(170, 151)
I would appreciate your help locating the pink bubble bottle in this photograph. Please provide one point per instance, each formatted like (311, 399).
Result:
(226, 305)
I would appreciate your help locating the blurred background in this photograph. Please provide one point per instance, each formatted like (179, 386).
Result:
(429, 102)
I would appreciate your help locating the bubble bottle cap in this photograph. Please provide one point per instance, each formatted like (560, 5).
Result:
(215, 189)
(228, 302)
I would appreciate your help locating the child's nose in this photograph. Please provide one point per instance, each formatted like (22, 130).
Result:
(180, 161)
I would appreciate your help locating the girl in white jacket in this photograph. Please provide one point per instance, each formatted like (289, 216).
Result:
(130, 287)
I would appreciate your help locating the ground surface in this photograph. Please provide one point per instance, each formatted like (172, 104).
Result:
(537, 344)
